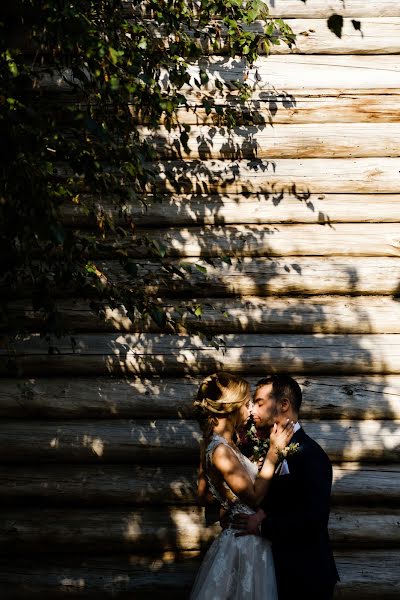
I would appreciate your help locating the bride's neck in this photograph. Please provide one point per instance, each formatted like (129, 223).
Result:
(225, 429)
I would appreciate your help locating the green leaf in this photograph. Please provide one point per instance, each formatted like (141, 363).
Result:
(131, 268)
(160, 248)
(204, 78)
(198, 311)
(113, 55)
(90, 268)
(158, 315)
(200, 268)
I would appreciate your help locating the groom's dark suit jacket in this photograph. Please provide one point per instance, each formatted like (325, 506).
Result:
(297, 507)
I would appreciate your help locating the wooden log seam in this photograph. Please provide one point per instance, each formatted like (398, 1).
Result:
(144, 354)
(116, 485)
(178, 528)
(373, 239)
(248, 276)
(269, 277)
(229, 209)
(273, 73)
(361, 572)
(318, 9)
(359, 398)
(166, 440)
(300, 177)
(377, 36)
(308, 140)
(319, 314)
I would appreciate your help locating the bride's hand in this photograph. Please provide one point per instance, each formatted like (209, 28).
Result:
(280, 437)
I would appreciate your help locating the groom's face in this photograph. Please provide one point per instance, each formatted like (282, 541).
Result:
(265, 408)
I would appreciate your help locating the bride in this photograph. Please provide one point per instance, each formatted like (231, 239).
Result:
(235, 567)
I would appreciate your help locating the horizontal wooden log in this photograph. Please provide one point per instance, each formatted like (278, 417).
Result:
(141, 354)
(258, 241)
(306, 140)
(269, 107)
(313, 36)
(176, 528)
(300, 177)
(377, 36)
(349, 72)
(365, 575)
(347, 527)
(167, 441)
(338, 72)
(368, 575)
(321, 9)
(265, 277)
(324, 239)
(218, 278)
(92, 577)
(275, 177)
(133, 485)
(228, 209)
(341, 239)
(368, 397)
(103, 441)
(301, 108)
(353, 484)
(317, 314)
(289, 8)
(99, 577)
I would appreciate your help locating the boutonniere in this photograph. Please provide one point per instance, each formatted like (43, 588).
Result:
(254, 443)
(288, 451)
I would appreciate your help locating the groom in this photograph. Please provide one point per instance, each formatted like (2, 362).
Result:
(294, 515)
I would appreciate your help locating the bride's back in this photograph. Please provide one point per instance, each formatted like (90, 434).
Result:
(217, 484)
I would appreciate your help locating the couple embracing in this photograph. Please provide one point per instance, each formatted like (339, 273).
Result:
(275, 544)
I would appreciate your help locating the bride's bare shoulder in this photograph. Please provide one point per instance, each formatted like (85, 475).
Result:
(224, 457)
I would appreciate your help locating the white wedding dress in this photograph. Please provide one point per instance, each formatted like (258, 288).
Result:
(235, 568)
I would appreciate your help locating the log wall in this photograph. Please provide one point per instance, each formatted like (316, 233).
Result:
(300, 213)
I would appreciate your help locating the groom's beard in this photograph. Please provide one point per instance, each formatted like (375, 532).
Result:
(274, 418)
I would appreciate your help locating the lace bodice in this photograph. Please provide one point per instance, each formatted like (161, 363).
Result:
(234, 505)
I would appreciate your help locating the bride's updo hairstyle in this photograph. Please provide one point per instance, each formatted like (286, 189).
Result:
(220, 395)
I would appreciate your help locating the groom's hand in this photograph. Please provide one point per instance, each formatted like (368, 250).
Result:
(223, 517)
(248, 524)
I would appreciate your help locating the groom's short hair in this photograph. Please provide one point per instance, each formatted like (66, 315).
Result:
(283, 386)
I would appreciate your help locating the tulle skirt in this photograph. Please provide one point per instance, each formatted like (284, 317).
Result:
(236, 568)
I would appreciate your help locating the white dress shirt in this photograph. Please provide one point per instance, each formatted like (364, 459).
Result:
(283, 467)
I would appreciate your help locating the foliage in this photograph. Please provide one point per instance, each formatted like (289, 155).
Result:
(77, 80)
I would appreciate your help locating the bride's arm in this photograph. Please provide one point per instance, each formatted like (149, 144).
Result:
(279, 438)
(236, 476)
